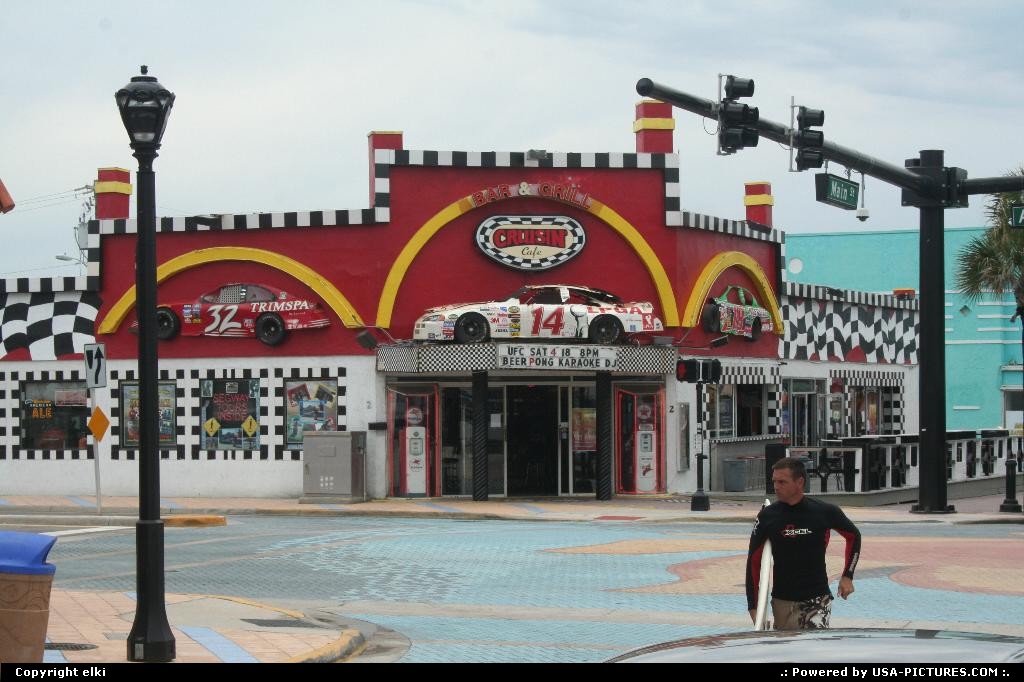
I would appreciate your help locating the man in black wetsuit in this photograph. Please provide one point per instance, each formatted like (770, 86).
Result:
(799, 528)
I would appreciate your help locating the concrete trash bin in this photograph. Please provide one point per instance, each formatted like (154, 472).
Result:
(25, 581)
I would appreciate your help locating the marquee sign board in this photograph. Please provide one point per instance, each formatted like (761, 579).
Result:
(534, 356)
(530, 242)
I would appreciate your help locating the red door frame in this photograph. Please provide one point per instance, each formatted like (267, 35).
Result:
(433, 424)
(659, 428)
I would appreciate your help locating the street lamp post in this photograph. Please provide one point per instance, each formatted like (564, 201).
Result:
(144, 105)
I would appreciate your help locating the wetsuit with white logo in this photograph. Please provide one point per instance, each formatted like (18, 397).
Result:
(799, 535)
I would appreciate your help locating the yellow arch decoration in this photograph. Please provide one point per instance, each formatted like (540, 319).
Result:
(324, 289)
(662, 284)
(715, 267)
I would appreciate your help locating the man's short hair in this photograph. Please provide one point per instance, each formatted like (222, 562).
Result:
(796, 467)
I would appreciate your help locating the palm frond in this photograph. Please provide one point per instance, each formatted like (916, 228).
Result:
(994, 261)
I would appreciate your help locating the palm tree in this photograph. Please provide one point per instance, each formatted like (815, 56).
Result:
(994, 261)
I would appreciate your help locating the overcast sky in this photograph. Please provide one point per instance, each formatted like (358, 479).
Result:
(275, 98)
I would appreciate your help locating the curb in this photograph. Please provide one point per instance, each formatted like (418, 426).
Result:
(349, 643)
(194, 520)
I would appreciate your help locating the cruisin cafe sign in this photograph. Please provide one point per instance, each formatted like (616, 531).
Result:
(531, 242)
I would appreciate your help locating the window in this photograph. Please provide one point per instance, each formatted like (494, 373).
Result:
(257, 294)
(130, 402)
(312, 406)
(229, 412)
(1013, 412)
(54, 415)
(736, 410)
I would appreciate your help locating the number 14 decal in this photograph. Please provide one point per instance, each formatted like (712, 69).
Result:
(552, 322)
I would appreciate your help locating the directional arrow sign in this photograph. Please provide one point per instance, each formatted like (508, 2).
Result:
(95, 365)
(1017, 215)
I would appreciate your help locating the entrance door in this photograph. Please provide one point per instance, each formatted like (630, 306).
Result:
(639, 450)
(532, 440)
(804, 424)
(412, 426)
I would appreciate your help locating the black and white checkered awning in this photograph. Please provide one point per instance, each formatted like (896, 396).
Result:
(749, 374)
(867, 377)
(459, 358)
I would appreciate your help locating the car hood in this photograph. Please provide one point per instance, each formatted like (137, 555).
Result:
(853, 645)
(454, 306)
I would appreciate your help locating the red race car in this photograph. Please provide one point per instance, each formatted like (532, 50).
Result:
(240, 310)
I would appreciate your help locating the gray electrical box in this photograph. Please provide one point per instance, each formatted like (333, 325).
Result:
(334, 466)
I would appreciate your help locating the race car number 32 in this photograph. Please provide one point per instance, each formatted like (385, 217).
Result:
(222, 323)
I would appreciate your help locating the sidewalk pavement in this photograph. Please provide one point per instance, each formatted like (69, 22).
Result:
(93, 626)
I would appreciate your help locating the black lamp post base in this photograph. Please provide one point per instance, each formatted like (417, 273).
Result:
(700, 501)
(921, 509)
(150, 639)
(151, 652)
(1010, 506)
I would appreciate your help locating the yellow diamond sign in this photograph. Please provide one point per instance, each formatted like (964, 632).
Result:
(98, 424)
(211, 426)
(250, 426)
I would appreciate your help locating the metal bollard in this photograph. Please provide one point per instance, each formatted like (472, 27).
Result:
(1010, 504)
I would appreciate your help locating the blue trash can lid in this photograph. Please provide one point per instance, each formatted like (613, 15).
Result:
(25, 553)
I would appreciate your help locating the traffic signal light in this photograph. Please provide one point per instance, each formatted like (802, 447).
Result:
(736, 121)
(699, 371)
(808, 143)
(712, 371)
(688, 371)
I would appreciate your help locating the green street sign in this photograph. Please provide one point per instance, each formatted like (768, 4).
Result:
(1017, 215)
(836, 191)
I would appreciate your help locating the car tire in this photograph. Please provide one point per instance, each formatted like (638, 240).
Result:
(711, 319)
(471, 328)
(167, 324)
(270, 329)
(755, 331)
(605, 330)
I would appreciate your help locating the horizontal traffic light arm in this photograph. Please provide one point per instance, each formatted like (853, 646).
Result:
(777, 132)
(850, 158)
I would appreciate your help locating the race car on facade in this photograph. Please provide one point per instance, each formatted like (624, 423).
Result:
(244, 310)
(744, 317)
(540, 312)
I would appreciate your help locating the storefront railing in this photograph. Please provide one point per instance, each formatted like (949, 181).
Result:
(870, 463)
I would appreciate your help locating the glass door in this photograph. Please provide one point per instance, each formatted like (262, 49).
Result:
(457, 441)
(413, 444)
(578, 440)
(532, 438)
(639, 443)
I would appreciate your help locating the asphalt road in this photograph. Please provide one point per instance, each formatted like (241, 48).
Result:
(448, 590)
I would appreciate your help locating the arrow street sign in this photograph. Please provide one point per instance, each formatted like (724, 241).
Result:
(95, 365)
(1017, 215)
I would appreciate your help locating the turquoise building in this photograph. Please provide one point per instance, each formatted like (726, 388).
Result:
(983, 347)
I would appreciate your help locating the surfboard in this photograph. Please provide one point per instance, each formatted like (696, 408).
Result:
(764, 586)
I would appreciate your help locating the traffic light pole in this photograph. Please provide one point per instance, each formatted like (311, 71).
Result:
(931, 187)
(700, 500)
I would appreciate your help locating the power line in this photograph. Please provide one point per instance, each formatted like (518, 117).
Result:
(45, 197)
(69, 200)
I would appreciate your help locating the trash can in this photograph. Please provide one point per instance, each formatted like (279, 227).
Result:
(25, 580)
(735, 473)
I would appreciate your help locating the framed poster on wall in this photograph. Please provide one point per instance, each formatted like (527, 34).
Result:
(312, 406)
(230, 413)
(130, 401)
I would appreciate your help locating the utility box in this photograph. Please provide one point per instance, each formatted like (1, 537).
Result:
(735, 474)
(334, 467)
